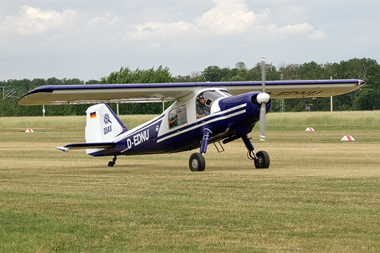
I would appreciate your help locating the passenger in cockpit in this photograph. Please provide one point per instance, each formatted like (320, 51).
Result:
(179, 118)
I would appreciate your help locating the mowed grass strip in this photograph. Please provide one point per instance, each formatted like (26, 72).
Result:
(289, 121)
(319, 195)
(346, 120)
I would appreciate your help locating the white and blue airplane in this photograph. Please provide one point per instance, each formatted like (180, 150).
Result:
(203, 113)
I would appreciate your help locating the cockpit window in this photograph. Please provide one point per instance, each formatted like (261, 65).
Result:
(177, 116)
(225, 93)
(214, 94)
(205, 100)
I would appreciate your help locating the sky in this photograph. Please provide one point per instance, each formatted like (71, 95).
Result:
(89, 39)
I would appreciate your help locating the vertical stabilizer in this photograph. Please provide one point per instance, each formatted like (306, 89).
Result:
(102, 124)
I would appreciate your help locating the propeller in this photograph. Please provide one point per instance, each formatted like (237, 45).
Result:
(263, 98)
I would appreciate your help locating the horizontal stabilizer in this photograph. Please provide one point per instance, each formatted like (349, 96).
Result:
(86, 146)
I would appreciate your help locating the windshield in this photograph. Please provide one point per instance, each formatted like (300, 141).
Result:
(214, 94)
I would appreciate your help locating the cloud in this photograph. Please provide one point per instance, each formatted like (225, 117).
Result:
(318, 35)
(142, 36)
(34, 21)
(105, 22)
(295, 29)
(226, 18)
(161, 31)
(264, 17)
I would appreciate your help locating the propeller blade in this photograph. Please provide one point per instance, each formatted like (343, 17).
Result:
(263, 72)
(262, 122)
(263, 104)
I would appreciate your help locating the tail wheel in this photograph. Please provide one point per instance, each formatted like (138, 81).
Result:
(262, 161)
(112, 163)
(197, 162)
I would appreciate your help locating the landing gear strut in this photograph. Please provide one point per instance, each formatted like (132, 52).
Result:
(197, 160)
(261, 158)
(112, 163)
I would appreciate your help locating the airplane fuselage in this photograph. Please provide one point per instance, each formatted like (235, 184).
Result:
(230, 117)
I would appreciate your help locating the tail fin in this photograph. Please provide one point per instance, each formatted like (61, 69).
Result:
(102, 124)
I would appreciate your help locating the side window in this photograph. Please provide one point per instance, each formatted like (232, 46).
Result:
(177, 116)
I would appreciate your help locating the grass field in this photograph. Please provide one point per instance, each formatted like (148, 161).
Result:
(319, 194)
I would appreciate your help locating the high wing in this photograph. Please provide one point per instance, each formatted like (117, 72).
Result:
(157, 92)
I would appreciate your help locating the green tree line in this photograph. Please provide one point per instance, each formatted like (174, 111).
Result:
(365, 69)
(367, 98)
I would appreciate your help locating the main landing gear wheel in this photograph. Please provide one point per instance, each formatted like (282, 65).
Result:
(262, 161)
(197, 162)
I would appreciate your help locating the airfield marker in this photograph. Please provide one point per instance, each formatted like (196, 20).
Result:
(348, 138)
(29, 131)
(309, 129)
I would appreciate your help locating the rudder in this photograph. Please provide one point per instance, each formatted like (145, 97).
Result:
(102, 124)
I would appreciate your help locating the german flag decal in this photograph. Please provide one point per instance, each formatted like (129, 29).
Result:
(92, 115)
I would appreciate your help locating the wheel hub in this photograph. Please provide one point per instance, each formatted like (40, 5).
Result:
(194, 163)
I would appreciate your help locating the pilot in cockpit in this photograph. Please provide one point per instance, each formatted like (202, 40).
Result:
(202, 108)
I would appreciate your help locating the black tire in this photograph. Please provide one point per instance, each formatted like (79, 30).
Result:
(197, 162)
(111, 164)
(262, 161)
